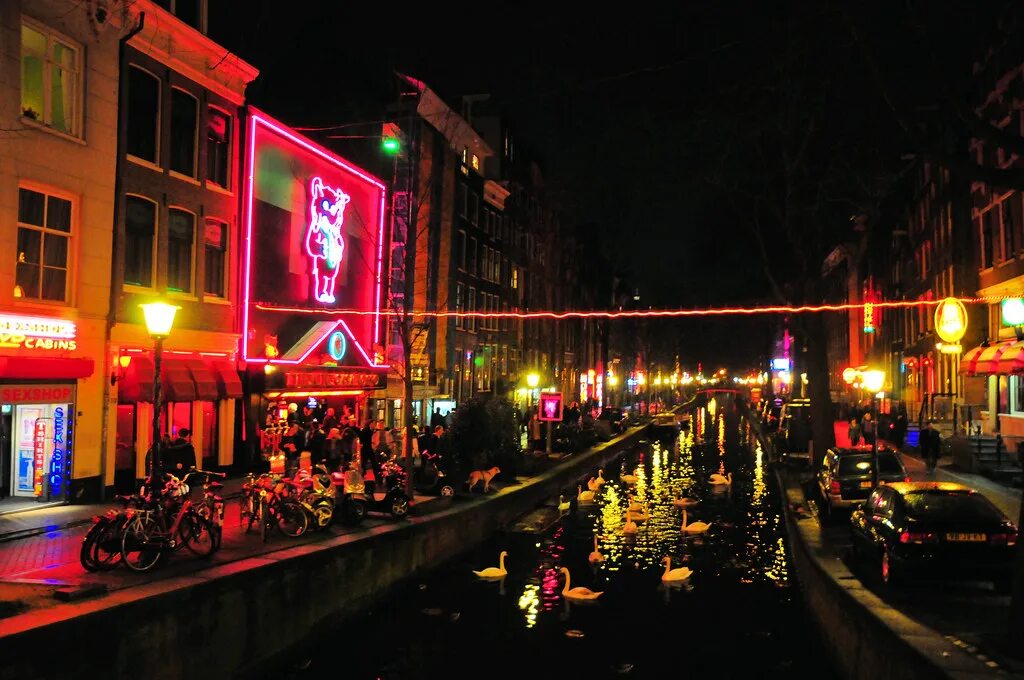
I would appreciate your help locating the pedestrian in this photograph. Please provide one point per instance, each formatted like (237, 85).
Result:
(181, 454)
(930, 444)
(333, 450)
(436, 419)
(316, 443)
(867, 429)
(854, 432)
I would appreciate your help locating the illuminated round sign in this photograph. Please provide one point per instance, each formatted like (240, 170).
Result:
(337, 345)
(1013, 312)
(849, 375)
(951, 320)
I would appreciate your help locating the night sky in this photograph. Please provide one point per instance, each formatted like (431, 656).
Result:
(663, 131)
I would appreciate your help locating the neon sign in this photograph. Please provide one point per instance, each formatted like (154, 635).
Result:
(38, 455)
(869, 317)
(337, 345)
(59, 450)
(951, 320)
(324, 243)
(37, 333)
(550, 406)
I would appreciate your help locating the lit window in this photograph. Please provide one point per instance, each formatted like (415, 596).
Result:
(218, 147)
(184, 126)
(475, 162)
(216, 238)
(181, 229)
(140, 238)
(44, 233)
(143, 129)
(50, 79)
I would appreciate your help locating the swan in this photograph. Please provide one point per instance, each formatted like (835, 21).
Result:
(494, 572)
(600, 478)
(595, 556)
(685, 502)
(584, 496)
(577, 593)
(593, 485)
(720, 481)
(641, 515)
(693, 527)
(563, 505)
(630, 526)
(634, 506)
(628, 479)
(674, 575)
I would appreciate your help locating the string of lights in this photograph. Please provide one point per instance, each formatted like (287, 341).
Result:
(637, 313)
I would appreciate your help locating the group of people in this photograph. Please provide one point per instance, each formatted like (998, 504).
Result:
(891, 427)
(929, 441)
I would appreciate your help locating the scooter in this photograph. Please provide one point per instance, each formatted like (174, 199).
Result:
(431, 479)
(392, 498)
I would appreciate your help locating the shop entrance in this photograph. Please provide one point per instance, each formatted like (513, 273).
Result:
(35, 440)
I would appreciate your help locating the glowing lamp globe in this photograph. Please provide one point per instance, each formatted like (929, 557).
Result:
(159, 318)
(1013, 312)
(532, 380)
(874, 380)
(849, 375)
(951, 320)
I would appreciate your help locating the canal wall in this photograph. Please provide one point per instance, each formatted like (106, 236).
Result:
(867, 638)
(227, 620)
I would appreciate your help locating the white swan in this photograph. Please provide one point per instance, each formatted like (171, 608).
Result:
(674, 575)
(694, 527)
(685, 502)
(563, 505)
(593, 485)
(640, 515)
(720, 482)
(630, 526)
(633, 505)
(577, 593)
(584, 496)
(494, 572)
(595, 556)
(600, 478)
(628, 479)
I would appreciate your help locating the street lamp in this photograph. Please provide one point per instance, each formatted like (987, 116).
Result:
(874, 381)
(159, 319)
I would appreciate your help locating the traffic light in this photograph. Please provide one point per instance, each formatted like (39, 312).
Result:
(391, 139)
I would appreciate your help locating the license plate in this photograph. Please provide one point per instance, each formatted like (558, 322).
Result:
(967, 538)
(865, 485)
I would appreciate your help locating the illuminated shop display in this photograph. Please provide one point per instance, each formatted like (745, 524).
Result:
(37, 333)
(550, 406)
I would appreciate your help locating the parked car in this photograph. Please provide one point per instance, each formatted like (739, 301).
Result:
(917, 528)
(614, 417)
(845, 475)
(793, 439)
(770, 415)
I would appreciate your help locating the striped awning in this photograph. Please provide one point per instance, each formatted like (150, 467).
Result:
(999, 358)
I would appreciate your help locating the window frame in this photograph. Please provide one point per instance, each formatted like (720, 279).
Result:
(226, 277)
(228, 187)
(155, 164)
(194, 176)
(77, 119)
(192, 293)
(154, 268)
(72, 246)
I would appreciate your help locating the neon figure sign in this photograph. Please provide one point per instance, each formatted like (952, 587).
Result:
(324, 243)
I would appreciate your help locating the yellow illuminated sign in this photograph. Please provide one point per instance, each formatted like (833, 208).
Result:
(951, 320)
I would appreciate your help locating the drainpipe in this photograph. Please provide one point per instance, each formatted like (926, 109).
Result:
(122, 102)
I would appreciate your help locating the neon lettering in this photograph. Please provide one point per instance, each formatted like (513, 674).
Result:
(324, 243)
(57, 458)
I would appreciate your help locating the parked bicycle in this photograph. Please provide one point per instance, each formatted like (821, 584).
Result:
(266, 504)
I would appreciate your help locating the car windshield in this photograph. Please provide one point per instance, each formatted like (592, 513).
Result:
(888, 464)
(951, 505)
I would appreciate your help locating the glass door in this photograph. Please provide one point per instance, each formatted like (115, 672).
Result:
(32, 423)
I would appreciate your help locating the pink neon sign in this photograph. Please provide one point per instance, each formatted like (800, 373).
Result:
(324, 243)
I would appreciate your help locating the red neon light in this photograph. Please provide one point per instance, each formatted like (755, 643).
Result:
(329, 393)
(713, 311)
(313, 345)
(251, 169)
(324, 243)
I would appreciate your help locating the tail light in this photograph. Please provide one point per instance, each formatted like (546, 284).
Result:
(1009, 538)
(906, 478)
(835, 488)
(918, 537)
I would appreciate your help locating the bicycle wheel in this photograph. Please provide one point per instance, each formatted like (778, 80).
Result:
(141, 546)
(264, 519)
(292, 519)
(90, 540)
(106, 550)
(198, 535)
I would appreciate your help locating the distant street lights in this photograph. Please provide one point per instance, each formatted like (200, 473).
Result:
(159, 319)
(874, 381)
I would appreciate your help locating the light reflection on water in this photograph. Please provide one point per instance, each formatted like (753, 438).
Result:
(735, 616)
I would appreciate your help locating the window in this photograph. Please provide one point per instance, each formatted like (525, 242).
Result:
(209, 447)
(181, 230)
(1007, 224)
(44, 232)
(472, 257)
(50, 79)
(216, 240)
(184, 125)
(987, 247)
(218, 147)
(143, 133)
(140, 237)
(474, 208)
(460, 198)
(471, 307)
(460, 249)
(460, 322)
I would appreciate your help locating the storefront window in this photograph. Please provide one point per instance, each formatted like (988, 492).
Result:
(124, 452)
(209, 452)
(1003, 395)
(180, 414)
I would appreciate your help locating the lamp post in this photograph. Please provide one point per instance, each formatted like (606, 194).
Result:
(532, 380)
(159, 319)
(874, 381)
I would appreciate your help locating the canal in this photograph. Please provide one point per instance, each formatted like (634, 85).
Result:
(739, 613)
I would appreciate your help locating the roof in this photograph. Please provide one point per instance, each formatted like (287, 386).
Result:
(910, 487)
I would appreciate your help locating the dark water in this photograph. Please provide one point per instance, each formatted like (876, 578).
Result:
(738, 615)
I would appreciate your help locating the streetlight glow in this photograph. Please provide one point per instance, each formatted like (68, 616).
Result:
(159, 318)
(532, 379)
(874, 380)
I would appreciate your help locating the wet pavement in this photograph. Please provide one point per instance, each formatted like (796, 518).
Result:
(739, 614)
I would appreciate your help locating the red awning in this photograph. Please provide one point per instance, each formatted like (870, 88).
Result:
(999, 358)
(44, 368)
(176, 381)
(228, 380)
(969, 360)
(137, 383)
(203, 377)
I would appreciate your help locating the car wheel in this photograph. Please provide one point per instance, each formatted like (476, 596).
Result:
(447, 490)
(890, 572)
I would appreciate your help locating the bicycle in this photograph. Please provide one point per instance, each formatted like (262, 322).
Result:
(212, 505)
(101, 546)
(265, 501)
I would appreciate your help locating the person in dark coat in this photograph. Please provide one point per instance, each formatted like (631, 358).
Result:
(180, 455)
(931, 446)
(316, 443)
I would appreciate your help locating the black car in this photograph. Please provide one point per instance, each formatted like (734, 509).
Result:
(845, 476)
(913, 528)
(615, 418)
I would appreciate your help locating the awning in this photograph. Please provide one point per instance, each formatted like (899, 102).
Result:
(176, 382)
(999, 358)
(137, 383)
(43, 368)
(969, 360)
(229, 383)
(204, 379)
